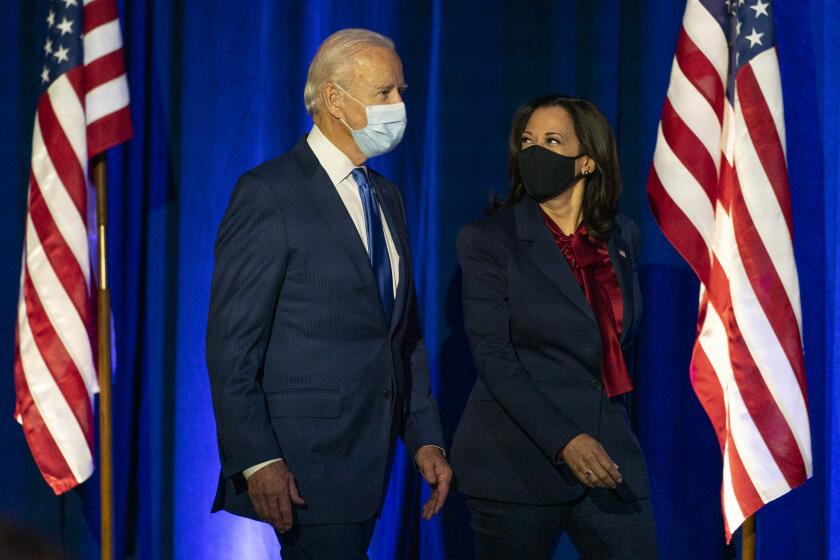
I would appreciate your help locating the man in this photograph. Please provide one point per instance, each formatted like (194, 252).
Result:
(314, 350)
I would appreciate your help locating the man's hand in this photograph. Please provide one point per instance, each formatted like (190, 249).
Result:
(590, 462)
(437, 472)
(272, 490)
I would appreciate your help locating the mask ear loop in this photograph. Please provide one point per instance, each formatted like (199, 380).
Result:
(350, 95)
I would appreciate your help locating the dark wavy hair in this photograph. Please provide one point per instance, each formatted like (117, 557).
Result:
(603, 186)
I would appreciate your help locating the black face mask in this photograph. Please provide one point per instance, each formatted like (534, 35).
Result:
(546, 174)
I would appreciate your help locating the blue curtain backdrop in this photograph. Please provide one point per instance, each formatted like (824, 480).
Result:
(217, 88)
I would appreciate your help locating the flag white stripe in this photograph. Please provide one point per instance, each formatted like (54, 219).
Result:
(58, 306)
(727, 134)
(765, 212)
(706, 34)
(71, 116)
(733, 515)
(102, 41)
(106, 99)
(683, 188)
(762, 342)
(64, 212)
(766, 69)
(53, 408)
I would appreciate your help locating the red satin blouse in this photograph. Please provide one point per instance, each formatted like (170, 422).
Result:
(592, 268)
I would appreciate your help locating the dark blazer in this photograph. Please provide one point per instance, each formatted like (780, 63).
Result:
(537, 350)
(303, 364)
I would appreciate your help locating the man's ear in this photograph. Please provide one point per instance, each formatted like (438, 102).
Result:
(331, 100)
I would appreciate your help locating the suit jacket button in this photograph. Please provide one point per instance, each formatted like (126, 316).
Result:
(387, 393)
(597, 385)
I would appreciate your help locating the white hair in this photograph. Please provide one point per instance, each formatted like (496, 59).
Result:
(332, 61)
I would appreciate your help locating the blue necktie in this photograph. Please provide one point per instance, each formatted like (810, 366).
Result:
(377, 249)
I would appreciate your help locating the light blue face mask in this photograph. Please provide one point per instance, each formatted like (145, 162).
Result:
(384, 130)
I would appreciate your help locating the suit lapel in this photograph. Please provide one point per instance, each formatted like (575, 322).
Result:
(335, 216)
(547, 257)
(620, 257)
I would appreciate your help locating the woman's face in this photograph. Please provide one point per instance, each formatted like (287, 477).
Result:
(551, 128)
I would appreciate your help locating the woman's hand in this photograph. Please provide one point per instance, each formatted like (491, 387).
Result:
(590, 463)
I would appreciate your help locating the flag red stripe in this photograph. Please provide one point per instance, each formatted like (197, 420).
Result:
(701, 72)
(99, 12)
(765, 138)
(64, 159)
(104, 69)
(767, 417)
(62, 368)
(76, 77)
(678, 228)
(689, 150)
(766, 283)
(46, 453)
(61, 258)
(706, 386)
(109, 131)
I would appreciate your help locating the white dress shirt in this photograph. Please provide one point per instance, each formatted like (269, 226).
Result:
(338, 167)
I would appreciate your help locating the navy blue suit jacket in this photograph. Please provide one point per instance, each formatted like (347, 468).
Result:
(537, 350)
(303, 364)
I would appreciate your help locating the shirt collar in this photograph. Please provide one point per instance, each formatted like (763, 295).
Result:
(335, 162)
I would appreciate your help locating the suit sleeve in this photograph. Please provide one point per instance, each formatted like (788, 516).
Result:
(635, 236)
(487, 324)
(422, 425)
(251, 253)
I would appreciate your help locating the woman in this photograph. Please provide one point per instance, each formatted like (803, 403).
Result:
(551, 306)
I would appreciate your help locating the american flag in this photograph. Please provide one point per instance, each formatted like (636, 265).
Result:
(719, 190)
(82, 110)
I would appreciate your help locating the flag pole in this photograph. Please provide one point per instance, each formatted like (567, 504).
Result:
(103, 311)
(748, 539)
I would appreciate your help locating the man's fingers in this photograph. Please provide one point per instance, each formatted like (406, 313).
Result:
(438, 475)
(272, 512)
(259, 506)
(428, 472)
(264, 509)
(273, 490)
(284, 508)
(442, 489)
(294, 493)
(428, 508)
